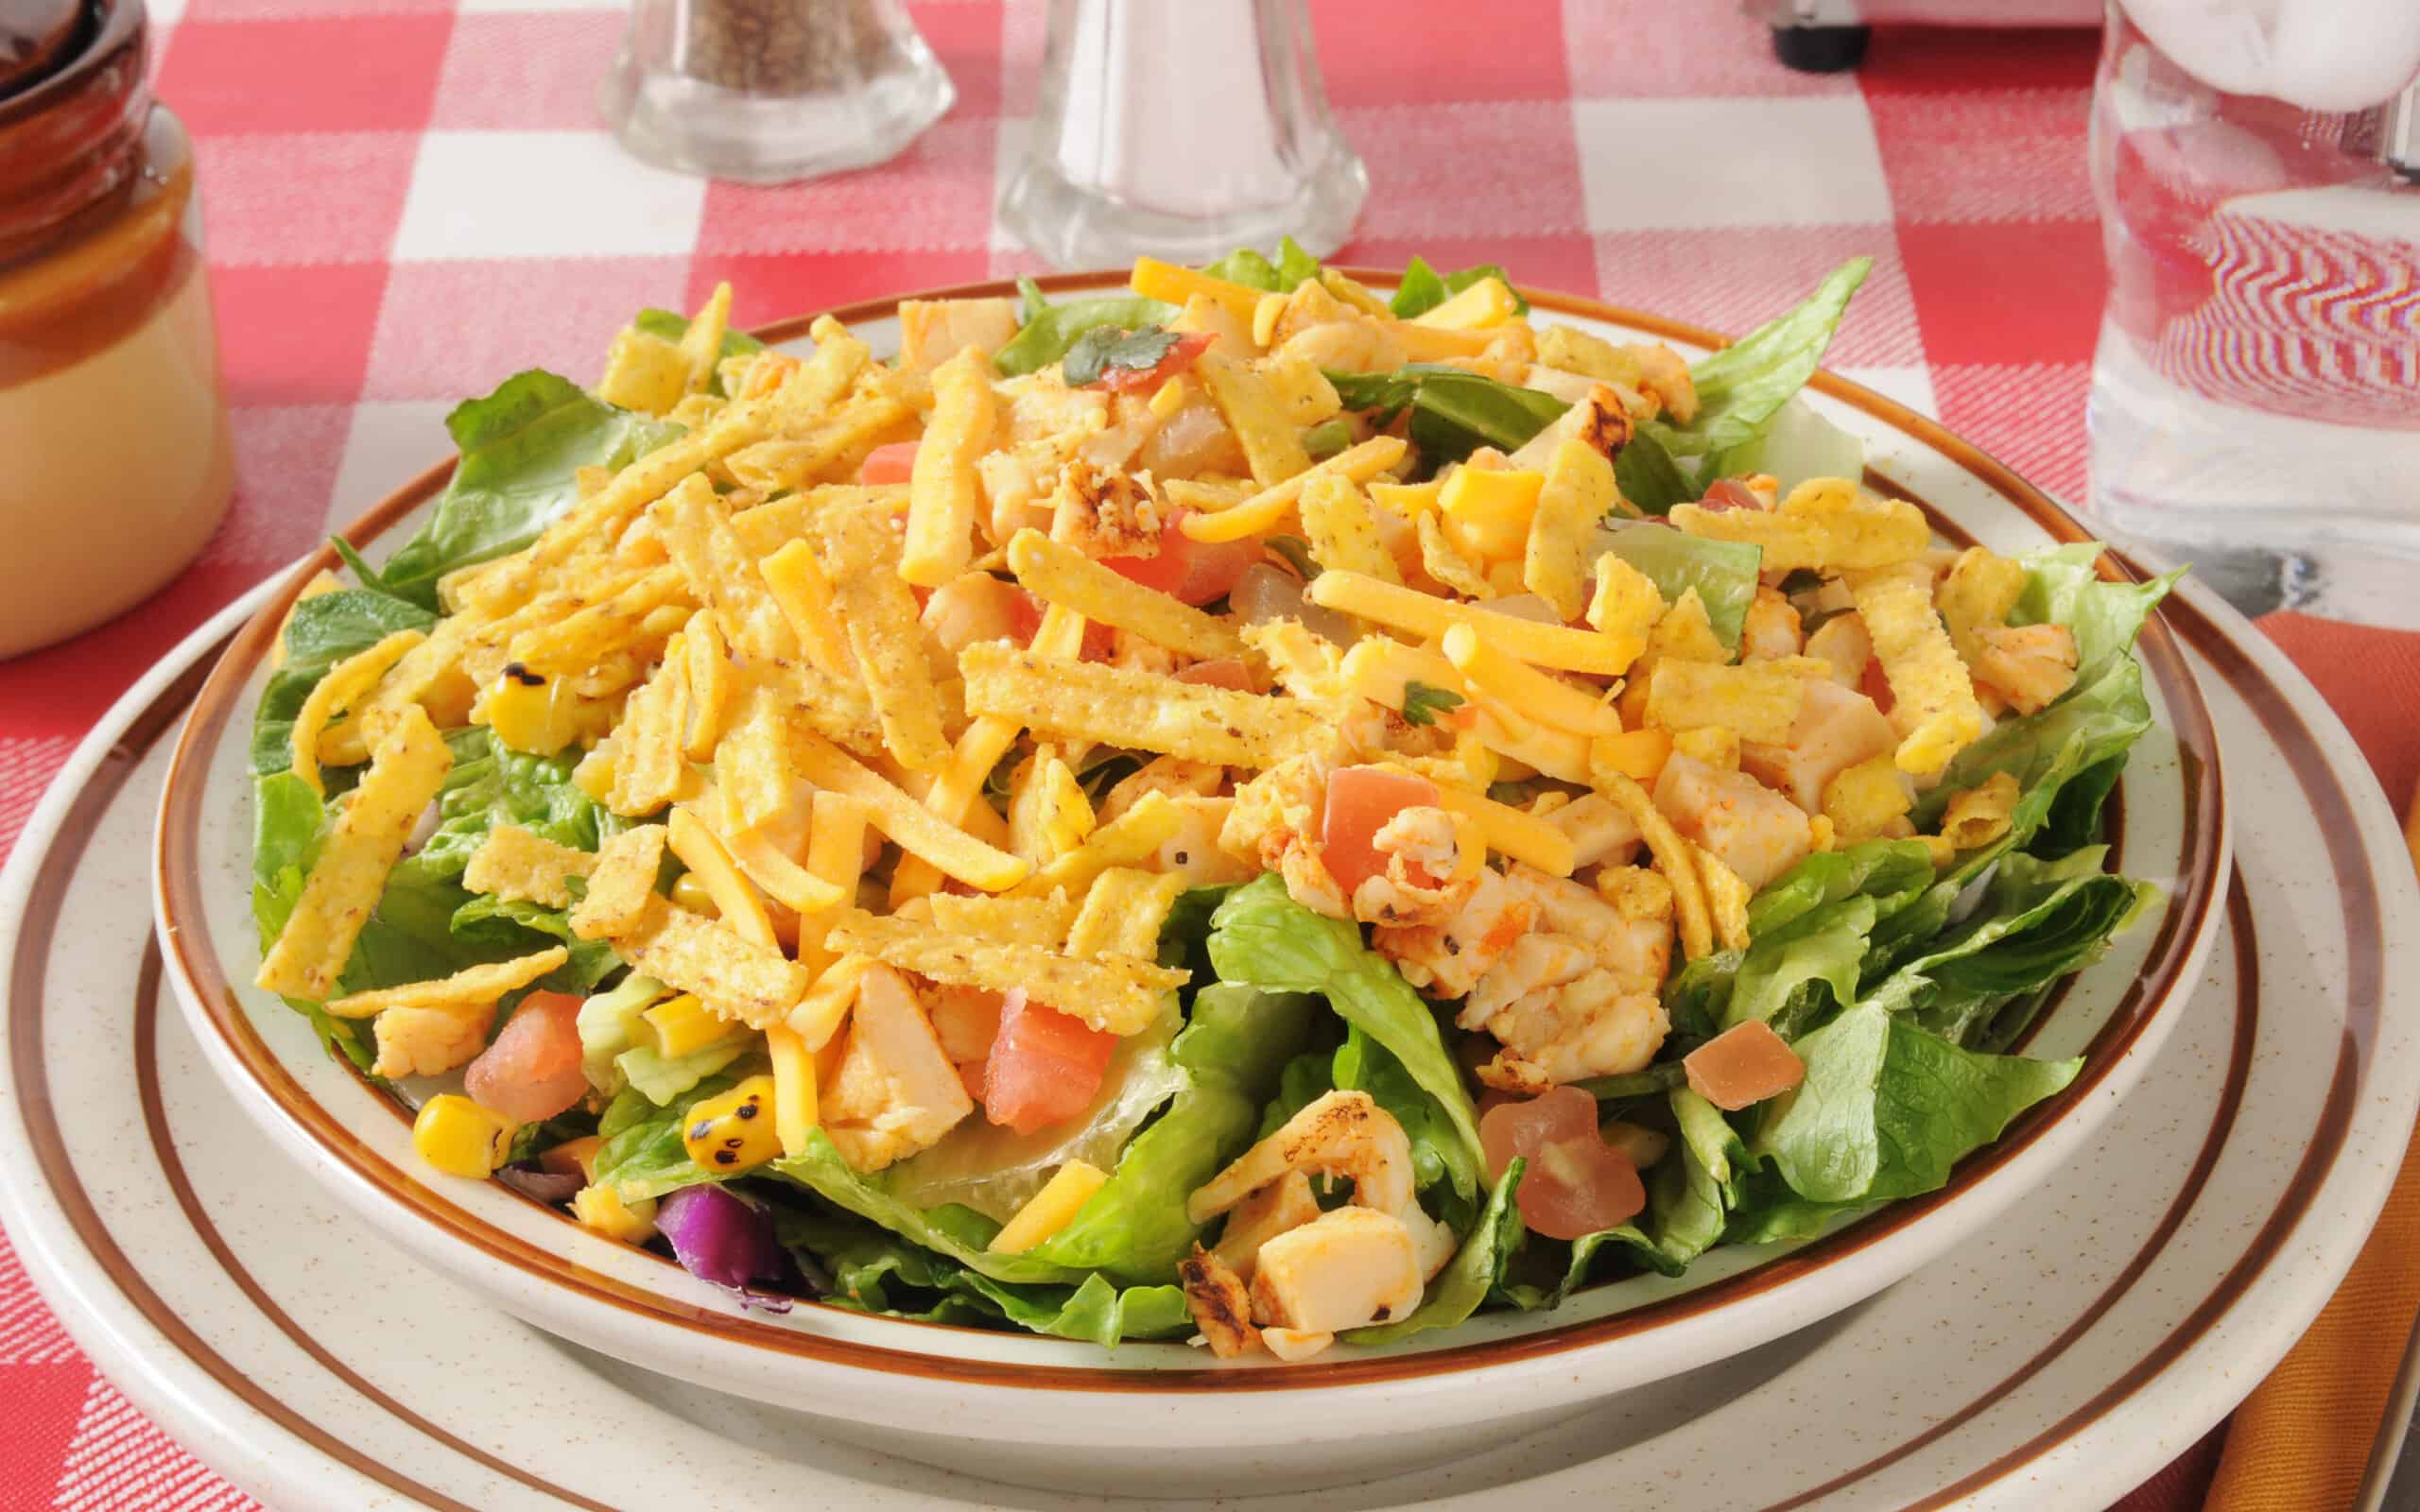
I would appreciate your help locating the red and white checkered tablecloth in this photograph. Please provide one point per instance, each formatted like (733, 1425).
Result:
(406, 200)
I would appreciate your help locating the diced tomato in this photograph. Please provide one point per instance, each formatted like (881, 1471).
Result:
(895, 463)
(1729, 493)
(1876, 684)
(533, 1071)
(1220, 672)
(1574, 1183)
(1181, 356)
(1742, 1065)
(1045, 1068)
(1196, 572)
(1361, 800)
(1511, 1124)
(1580, 1186)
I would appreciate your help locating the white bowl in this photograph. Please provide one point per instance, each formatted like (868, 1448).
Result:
(1061, 1414)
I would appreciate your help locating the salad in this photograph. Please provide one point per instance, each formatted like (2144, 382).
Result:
(1251, 809)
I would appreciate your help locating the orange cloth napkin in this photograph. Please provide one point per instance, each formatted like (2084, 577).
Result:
(2300, 1441)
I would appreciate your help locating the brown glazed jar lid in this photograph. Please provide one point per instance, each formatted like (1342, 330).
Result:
(36, 39)
(72, 105)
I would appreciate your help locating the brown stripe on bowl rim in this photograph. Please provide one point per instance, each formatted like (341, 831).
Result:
(2190, 917)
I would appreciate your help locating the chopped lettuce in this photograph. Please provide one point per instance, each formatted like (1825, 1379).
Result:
(1722, 572)
(643, 1154)
(660, 1079)
(521, 449)
(1264, 937)
(1293, 267)
(492, 783)
(1809, 938)
(324, 629)
(1454, 411)
(2083, 738)
(2039, 921)
(1650, 482)
(879, 1272)
(672, 327)
(1234, 1048)
(608, 1024)
(957, 1234)
(1438, 1153)
(1742, 386)
(994, 1169)
(1887, 1108)
(1797, 444)
(1423, 288)
(1051, 329)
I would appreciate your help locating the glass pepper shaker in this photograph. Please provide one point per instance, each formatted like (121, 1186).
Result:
(770, 91)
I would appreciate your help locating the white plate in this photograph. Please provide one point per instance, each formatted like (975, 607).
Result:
(1048, 1412)
(2054, 1362)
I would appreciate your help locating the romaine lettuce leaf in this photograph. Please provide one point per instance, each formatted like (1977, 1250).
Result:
(671, 326)
(643, 1153)
(1234, 1046)
(880, 1272)
(957, 1234)
(2039, 921)
(1689, 1195)
(1722, 572)
(1650, 482)
(994, 1169)
(1264, 937)
(608, 1024)
(492, 783)
(1797, 444)
(2087, 732)
(1050, 329)
(1423, 288)
(1454, 411)
(325, 630)
(1888, 1109)
(1438, 1153)
(1742, 386)
(1476, 1270)
(521, 449)
(1810, 941)
(1246, 267)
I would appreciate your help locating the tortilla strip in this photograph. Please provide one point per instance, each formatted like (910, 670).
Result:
(407, 767)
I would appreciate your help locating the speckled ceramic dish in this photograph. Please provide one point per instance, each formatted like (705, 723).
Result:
(2155, 1277)
(1051, 1412)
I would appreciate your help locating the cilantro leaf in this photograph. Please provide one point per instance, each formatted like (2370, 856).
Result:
(1106, 347)
(1422, 702)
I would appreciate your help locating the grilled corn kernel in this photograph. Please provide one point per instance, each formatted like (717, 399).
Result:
(688, 892)
(601, 1209)
(735, 1131)
(594, 776)
(530, 712)
(461, 1137)
(683, 1027)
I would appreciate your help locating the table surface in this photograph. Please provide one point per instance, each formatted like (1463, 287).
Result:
(407, 200)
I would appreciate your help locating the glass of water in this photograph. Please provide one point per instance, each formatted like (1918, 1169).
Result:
(1184, 129)
(2255, 395)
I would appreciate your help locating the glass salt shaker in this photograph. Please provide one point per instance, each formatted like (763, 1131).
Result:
(771, 91)
(2255, 394)
(1184, 131)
